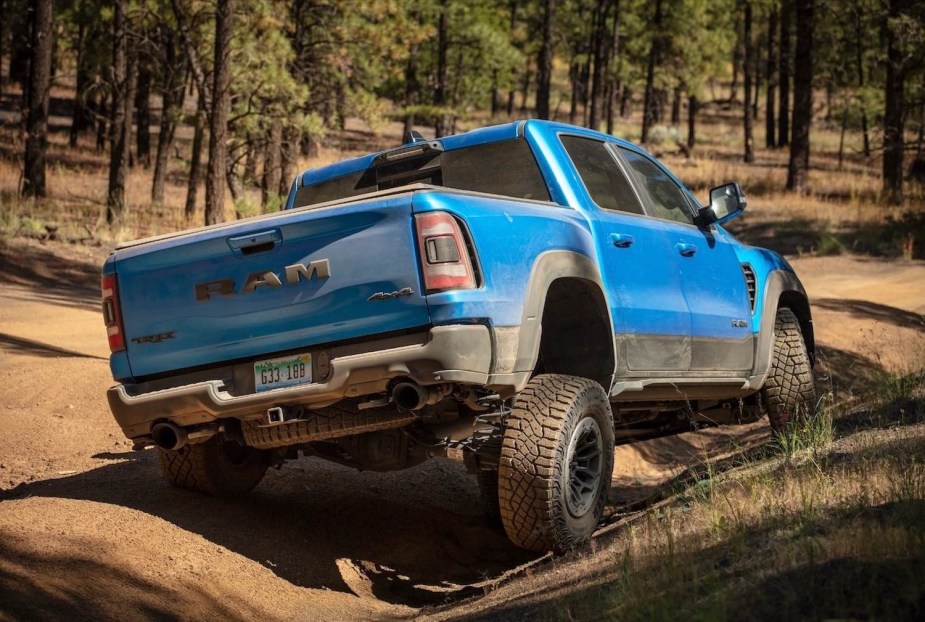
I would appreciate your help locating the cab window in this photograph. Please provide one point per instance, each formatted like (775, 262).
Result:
(667, 200)
(601, 174)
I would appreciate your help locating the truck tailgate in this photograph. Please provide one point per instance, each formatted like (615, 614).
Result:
(270, 284)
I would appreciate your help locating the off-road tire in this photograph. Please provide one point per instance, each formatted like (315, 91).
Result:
(488, 488)
(337, 421)
(534, 475)
(788, 392)
(216, 467)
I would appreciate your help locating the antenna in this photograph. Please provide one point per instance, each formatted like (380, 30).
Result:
(413, 136)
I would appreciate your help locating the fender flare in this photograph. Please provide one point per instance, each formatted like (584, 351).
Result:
(517, 366)
(782, 289)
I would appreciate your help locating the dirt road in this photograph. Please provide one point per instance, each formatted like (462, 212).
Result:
(88, 530)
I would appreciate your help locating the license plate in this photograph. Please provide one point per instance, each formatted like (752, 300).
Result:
(285, 371)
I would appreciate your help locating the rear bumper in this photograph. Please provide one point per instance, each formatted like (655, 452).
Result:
(460, 354)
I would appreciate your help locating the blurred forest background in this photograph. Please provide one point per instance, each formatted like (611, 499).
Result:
(154, 114)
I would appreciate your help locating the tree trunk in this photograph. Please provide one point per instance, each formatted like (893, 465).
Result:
(526, 90)
(440, 86)
(613, 84)
(102, 122)
(234, 184)
(195, 165)
(626, 101)
(291, 138)
(798, 169)
(3, 23)
(841, 139)
(693, 105)
(495, 100)
(37, 110)
(252, 156)
(585, 91)
(783, 107)
(172, 91)
(131, 87)
(859, 59)
(736, 64)
(599, 53)
(676, 106)
(747, 66)
(218, 124)
(411, 90)
(269, 185)
(120, 121)
(544, 61)
(770, 121)
(143, 114)
(513, 27)
(893, 115)
(164, 142)
(649, 104)
(80, 120)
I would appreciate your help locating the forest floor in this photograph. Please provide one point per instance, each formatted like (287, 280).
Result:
(89, 530)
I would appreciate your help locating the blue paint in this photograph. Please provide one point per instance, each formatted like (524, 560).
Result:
(370, 246)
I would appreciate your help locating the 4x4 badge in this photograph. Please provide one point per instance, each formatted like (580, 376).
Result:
(405, 291)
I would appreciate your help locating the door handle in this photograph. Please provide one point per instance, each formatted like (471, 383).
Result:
(622, 240)
(254, 243)
(686, 250)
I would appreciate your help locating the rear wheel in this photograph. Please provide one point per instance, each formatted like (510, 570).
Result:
(216, 467)
(788, 392)
(556, 463)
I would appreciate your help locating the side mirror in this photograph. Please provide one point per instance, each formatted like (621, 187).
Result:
(726, 202)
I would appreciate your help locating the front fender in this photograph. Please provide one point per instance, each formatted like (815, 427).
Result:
(781, 288)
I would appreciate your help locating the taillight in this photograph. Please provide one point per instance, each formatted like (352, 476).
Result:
(112, 314)
(445, 259)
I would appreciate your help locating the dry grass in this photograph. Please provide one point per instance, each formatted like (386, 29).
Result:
(828, 522)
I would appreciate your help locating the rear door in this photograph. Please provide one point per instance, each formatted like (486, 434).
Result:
(267, 285)
(711, 276)
(638, 267)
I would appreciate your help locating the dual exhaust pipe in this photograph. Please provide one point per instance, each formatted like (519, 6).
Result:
(406, 395)
(172, 437)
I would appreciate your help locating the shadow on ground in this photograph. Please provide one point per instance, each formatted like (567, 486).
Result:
(416, 537)
(323, 526)
(47, 277)
(13, 344)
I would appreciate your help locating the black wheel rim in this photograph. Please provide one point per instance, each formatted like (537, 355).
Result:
(585, 458)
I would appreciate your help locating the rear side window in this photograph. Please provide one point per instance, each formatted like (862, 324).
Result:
(668, 201)
(601, 174)
(505, 168)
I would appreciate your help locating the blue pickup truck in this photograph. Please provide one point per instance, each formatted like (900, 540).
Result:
(520, 297)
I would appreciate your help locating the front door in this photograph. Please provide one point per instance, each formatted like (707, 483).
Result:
(650, 313)
(709, 271)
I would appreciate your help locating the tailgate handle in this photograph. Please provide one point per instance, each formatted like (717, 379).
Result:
(254, 243)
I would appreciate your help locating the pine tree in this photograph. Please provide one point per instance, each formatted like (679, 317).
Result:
(37, 100)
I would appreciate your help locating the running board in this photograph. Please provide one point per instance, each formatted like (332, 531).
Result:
(679, 387)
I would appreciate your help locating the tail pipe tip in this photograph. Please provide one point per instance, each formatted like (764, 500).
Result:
(412, 396)
(172, 437)
(169, 436)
